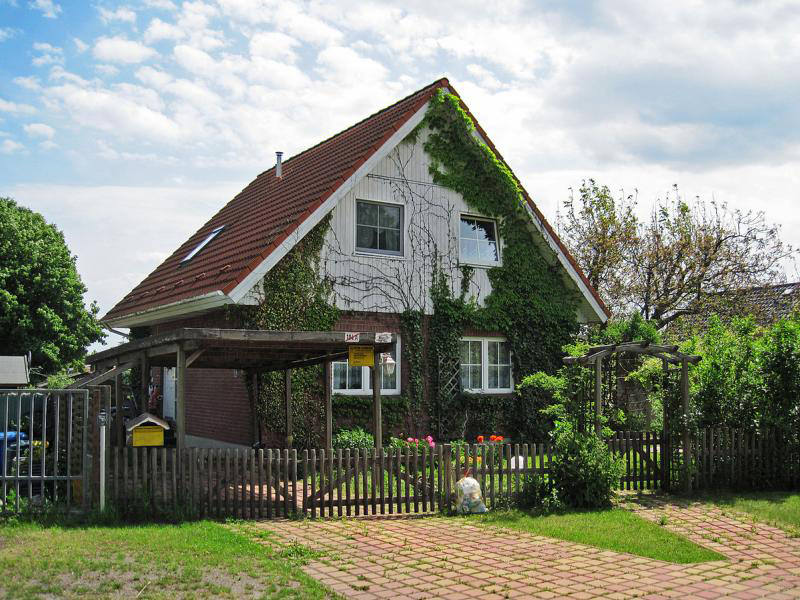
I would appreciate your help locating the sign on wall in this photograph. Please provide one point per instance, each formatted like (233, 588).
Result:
(361, 356)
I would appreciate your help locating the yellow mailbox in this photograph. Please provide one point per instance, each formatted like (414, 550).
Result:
(146, 430)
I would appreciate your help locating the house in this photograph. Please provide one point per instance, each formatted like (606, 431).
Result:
(767, 304)
(14, 371)
(388, 226)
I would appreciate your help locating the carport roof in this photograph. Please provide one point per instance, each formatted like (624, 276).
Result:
(240, 348)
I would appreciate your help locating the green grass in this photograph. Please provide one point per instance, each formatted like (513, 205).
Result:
(781, 509)
(613, 529)
(199, 559)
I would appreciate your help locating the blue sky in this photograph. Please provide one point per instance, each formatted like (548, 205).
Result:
(128, 124)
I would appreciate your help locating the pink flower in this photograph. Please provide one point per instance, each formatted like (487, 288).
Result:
(416, 440)
(429, 438)
(409, 440)
(432, 444)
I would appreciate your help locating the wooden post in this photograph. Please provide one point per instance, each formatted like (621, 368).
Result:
(665, 451)
(120, 417)
(687, 450)
(376, 400)
(180, 396)
(255, 389)
(328, 407)
(598, 394)
(287, 393)
(145, 382)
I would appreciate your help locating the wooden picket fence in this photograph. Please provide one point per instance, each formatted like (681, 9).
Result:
(220, 482)
(724, 457)
(641, 453)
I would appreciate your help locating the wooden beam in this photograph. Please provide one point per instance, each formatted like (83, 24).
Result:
(687, 442)
(180, 397)
(97, 378)
(376, 400)
(194, 356)
(328, 406)
(287, 395)
(119, 417)
(256, 392)
(145, 381)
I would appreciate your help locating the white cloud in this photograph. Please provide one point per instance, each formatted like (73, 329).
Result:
(153, 77)
(40, 130)
(10, 147)
(6, 33)
(122, 13)
(160, 4)
(48, 145)
(121, 50)
(109, 70)
(159, 30)
(29, 83)
(48, 54)
(80, 45)
(16, 108)
(274, 45)
(48, 8)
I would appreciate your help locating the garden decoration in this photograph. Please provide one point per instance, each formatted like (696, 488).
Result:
(469, 499)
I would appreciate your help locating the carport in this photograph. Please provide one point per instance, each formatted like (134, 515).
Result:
(253, 350)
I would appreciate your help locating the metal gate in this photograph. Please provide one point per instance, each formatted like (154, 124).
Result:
(45, 449)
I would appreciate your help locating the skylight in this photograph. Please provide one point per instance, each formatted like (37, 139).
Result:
(202, 245)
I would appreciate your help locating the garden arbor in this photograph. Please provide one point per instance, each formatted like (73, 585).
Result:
(599, 356)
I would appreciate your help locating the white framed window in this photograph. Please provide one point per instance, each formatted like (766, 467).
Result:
(379, 227)
(357, 380)
(477, 241)
(486, 365)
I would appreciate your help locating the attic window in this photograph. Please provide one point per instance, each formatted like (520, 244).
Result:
(202, 245)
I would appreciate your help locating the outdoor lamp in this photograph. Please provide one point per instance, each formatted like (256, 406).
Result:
(388, 362)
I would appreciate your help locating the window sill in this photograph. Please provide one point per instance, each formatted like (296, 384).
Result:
(497, 392)
(364, 254)
(364, 392)
(480, 265)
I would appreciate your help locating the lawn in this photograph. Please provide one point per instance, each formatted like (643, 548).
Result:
(199, 559)
(781, 509)
(613, 529)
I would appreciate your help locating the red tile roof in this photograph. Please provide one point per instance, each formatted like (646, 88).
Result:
(269, 209)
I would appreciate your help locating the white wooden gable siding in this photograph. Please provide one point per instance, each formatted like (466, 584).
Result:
(371, 282)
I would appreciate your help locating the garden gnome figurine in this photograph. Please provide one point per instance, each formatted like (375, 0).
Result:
(468, 495)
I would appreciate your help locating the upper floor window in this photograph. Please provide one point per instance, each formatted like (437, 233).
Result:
(357, 380)
(486, 365)
(478, 241)
(379, 227)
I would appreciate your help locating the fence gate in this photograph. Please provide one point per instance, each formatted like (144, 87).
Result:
(44, 449)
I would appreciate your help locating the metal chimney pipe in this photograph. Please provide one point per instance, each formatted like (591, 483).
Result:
(278, 165)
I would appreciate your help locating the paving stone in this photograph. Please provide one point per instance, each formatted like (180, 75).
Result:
(450, 558)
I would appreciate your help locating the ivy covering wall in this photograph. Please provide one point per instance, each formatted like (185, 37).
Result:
(296, 298)
(530, 303)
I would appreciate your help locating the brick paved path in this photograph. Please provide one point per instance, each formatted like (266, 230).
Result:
(450, 558)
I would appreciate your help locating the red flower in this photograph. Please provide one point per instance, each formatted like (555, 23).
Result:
(492, 438)
(480, 439)
(499, 438)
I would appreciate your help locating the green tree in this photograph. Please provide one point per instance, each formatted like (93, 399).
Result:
(686, 258)
(42, 309)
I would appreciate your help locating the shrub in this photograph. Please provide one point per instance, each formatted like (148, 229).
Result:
(353, 438)
(535, 393)
(536, 493)
(583, 471)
